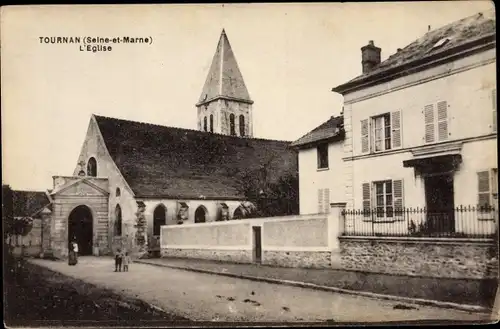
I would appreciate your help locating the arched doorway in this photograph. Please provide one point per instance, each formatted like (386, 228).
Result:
(80, 227)
(159, 218)
(200, 215)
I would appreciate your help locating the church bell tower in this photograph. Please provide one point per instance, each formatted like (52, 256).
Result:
(225, 106)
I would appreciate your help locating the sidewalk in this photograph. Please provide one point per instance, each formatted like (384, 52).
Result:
(453, 293)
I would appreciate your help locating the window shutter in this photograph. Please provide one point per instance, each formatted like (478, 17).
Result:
(429, 123)
(366, 199)
(320, 201)
(483, 188)
(326, 204)
(442, 109)
(397, 188)
(364, 136)
(494, 100)
(494, 181)
(396, 129)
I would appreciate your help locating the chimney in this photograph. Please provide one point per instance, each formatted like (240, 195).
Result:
(370, 56)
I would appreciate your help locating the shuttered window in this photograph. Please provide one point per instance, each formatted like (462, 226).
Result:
(320, 201)
(396, 129)
(429, 123)
(323, 200)
(487, 188)
(387, 198)
(326, 203)
(494, 104)
(397, 186)
(366, 200)
(364, 136)
(381, 133)
(436, 122)
(442, 120)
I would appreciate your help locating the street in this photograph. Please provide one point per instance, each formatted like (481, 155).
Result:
(206, 297)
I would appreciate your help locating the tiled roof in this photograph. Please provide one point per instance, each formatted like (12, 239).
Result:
(431, 45)
(158, 161)
(224, 78)
(27, 203)
(327, 130)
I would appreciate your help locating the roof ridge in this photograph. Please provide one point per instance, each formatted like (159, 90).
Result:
(192, 130)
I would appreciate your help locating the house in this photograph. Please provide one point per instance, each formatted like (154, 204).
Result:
(321, 166)
(130, 171)
(33, 207)
(421, 132)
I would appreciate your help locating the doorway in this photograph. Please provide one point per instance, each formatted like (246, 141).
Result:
(439, 198)
(80, 227)
(257, 244)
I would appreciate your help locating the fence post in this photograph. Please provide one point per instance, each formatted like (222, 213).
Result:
(336, 223)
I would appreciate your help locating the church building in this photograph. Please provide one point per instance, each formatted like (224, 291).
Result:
(128, 172)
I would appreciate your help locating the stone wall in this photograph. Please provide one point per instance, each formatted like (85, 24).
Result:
(288, 241)
(440, 258)
(305, 259)
(235, 256)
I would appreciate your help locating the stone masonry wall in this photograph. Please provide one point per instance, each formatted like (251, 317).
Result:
(304, 259)
(236, 256)
(464, 259)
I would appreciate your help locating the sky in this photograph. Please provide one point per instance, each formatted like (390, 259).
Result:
(290, 55)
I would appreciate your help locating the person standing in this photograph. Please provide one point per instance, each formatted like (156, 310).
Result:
(126, 261)
(73, 253)
(118, 260)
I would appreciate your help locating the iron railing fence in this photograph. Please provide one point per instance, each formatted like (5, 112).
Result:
(461, 221)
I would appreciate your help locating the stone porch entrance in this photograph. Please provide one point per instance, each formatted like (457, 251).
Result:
(80, 211)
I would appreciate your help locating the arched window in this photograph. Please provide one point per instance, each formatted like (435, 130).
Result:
(118, 220)
(200, 215)
(205, 123)
(231, 124)
(242, 125)
(211, 123)
(118, 192)
(92, 167)
(159, 219)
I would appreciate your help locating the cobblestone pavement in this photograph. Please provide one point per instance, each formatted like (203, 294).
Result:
(206, 297)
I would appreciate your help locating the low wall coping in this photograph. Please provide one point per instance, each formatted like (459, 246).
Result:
(419, 239)
(249, 221)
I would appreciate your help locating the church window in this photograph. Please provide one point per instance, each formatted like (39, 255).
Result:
(242, 125)
(92, 167)
(205, 123)
(159, 219)
(211, 123)
(118, 220)
(231, 124)
(118, 193)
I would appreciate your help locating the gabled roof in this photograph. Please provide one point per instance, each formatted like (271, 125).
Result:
(224, 79)
(468, 33)
(28, 203)
(330, 130)
(158, 161)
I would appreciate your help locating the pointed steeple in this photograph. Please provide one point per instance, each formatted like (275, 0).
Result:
(224, 78)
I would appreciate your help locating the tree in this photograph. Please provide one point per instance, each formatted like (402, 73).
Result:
(140, 235)
(277, 198)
